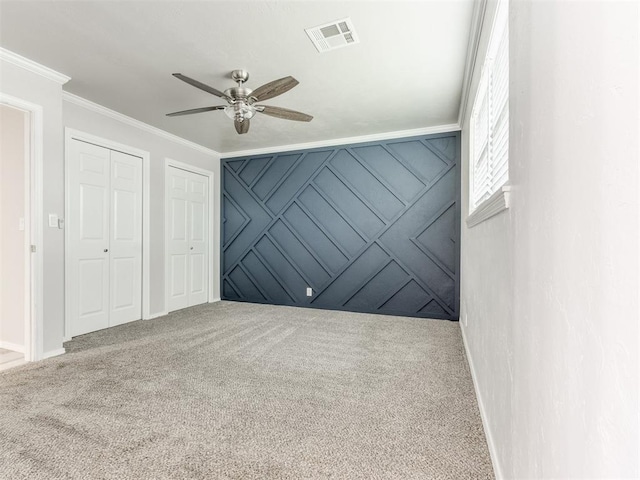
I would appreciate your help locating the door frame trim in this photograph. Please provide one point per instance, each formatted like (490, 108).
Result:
(34, 234)
(212, 241)
(73, 134)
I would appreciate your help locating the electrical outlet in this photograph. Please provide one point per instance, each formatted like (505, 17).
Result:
(309, 292)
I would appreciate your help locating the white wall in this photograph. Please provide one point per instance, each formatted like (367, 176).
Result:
(31, 87)
(550, 287)
(93, 122)
(13, 128)
(486, 296)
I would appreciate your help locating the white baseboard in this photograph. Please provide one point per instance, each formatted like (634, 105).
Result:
(54, 353)
(493, 453)
(15, 363)
(165, 312)
(12, 346)
(156, 315)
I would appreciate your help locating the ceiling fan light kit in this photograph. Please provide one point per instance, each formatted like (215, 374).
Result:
(240, 110)
(242, 101)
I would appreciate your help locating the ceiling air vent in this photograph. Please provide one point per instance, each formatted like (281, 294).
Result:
(333, 35)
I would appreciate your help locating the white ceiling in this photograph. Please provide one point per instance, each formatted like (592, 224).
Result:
(405, 73)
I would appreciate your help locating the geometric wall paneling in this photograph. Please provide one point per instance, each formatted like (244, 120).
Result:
(369, 227)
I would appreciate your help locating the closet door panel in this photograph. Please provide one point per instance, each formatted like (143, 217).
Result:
(198, 232)
(126, 238)
(178, 241)
(187, 238)
(104, 263)
(88, 236)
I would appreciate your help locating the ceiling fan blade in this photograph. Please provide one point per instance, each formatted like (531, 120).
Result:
(275, 88)
(200, 85)
(284, 113)
(242, 127)
(195, 110)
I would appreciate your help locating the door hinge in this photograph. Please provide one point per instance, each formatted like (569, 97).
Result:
(33, 249)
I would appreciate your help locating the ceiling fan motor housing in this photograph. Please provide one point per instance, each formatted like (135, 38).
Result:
(238, 93)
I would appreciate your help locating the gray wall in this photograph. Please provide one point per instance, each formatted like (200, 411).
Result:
(370, 227)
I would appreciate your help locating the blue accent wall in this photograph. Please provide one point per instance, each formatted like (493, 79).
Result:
(371, 227)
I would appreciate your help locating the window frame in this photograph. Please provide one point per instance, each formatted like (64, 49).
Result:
(493, 197)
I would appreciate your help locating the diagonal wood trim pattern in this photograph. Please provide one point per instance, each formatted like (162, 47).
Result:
(369, 227)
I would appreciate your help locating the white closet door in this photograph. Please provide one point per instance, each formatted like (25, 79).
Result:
(198, 230)
(88, 279)
(177, 222)
(105, 237)
(126, 238)
(187, 223)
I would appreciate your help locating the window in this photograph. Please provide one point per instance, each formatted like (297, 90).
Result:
(489, 126)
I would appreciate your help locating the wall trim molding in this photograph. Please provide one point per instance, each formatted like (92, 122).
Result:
(156, 315)
(493, 453)
(214, 300)
(493, 205)
(89, 105)
(12, 346)
(34, 67)
(335, 142)
(54, 353)
(477, 20)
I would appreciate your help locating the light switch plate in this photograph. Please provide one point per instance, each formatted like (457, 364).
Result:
(53, 220)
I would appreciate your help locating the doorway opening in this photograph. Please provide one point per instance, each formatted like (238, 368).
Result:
(21, 232)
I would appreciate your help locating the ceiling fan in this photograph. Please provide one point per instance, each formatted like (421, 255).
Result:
(242, 101)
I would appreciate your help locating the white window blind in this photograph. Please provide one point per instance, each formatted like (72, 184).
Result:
(490, 116)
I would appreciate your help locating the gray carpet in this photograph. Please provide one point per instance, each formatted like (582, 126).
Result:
(234, 390)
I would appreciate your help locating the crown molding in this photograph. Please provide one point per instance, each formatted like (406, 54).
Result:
(30, 65)
(453, 127)
(89, 105)
(477, 19)
(83, 102)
